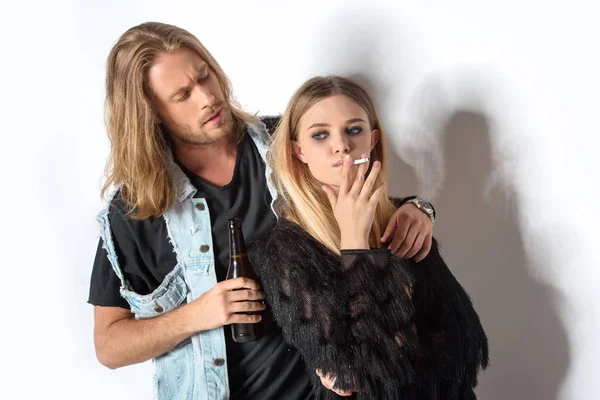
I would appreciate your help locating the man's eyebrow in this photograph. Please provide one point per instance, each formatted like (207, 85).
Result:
(180, 91)
(324, 125)
(199, 72)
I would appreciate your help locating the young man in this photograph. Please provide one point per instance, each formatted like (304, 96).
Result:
(184, 158)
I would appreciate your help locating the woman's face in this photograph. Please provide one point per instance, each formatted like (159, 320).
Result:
(332, 128)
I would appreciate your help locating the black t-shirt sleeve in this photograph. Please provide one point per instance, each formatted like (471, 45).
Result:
(144, 253)
(105, 284)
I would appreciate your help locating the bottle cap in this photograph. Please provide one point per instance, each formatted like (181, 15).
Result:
(234, 222)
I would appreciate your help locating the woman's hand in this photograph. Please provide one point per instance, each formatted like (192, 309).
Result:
(355, 203)
(329, 383)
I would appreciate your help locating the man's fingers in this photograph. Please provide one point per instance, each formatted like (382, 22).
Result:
(399, 237)
(420, 256)
(408, 242)
(389, 229)
(238, 283)
(416, 245)
(246, 307)
(342, 393)
(329, 383)
(244, 319)
(245, 295)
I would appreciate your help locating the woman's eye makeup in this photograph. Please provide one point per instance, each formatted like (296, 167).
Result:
(351, 130)
(320, 135)
(354, 130)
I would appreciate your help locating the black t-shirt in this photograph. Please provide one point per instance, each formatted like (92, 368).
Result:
(264, 369)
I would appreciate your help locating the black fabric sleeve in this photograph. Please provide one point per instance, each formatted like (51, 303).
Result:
(453, 344)
(104, 283)
(144, 253)
(348, 316)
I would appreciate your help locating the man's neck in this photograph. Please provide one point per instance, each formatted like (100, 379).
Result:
(215, 163)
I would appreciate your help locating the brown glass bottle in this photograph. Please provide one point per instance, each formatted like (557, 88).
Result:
(240, 267)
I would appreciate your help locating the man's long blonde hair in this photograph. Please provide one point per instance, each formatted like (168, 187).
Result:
(302, 200)
(139, 149)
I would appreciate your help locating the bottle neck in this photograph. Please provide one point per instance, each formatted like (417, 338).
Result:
(237, 247)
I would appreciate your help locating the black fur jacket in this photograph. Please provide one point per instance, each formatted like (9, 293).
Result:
(383, 325)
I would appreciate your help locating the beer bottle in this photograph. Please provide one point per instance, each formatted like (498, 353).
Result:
(239, 267)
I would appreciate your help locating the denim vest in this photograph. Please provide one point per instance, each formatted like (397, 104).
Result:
(197, 367)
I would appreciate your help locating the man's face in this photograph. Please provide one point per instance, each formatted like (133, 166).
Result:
(188, 98)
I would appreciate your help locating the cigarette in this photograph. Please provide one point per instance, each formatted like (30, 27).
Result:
(361, 161)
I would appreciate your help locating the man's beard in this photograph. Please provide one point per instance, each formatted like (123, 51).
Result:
(186, 135)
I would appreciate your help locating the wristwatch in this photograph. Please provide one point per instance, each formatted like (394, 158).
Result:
(422, 205)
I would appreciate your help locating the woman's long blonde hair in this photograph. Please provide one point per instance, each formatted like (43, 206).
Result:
(139, 151)
(302, 200)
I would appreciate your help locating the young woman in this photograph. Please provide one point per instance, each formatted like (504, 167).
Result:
(366, 321)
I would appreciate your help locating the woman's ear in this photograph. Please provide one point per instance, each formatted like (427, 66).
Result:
(374, 138)
(298, 152)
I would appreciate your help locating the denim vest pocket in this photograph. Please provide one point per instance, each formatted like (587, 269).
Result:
(168, 296)
(198, 263)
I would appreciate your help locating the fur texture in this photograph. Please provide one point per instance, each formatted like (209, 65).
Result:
(381, 324)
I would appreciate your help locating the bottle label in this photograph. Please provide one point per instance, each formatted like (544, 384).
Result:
(237, 255)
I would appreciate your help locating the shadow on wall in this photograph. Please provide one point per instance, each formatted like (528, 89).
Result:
(479, 234)
(482, 243)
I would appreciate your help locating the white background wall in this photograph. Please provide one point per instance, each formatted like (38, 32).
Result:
(492, 112)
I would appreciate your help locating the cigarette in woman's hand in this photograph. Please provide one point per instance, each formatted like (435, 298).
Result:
(361, 161)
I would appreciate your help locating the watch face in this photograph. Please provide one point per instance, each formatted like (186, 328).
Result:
(425, 206)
